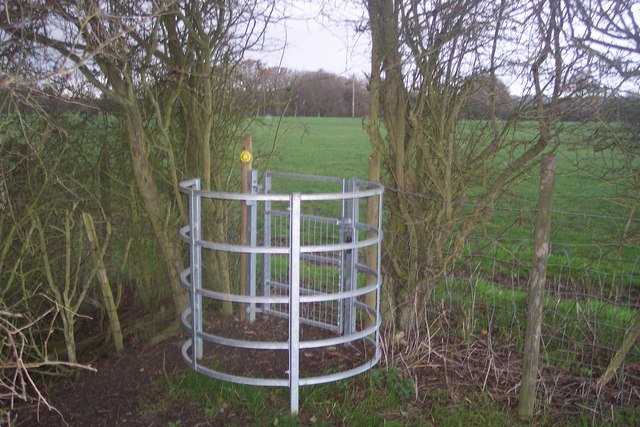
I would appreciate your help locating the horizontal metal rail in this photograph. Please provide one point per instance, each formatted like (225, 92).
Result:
(304, 280)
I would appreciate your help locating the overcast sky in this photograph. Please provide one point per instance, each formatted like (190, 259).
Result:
(323, 36)
(310, 40)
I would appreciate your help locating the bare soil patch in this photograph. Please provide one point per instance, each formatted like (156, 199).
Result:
(122, 390)
(125, 391)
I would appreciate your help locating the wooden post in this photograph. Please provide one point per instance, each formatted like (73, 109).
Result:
(246, 163)
(527, 398)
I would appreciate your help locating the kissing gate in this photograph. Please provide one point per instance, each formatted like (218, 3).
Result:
(307, 310)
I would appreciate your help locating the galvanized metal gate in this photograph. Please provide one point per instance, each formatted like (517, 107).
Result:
(304, 255)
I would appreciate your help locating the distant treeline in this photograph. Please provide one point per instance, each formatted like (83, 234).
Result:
(275, 91)
(281, 91)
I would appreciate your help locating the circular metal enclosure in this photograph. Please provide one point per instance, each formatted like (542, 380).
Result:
(303, 286)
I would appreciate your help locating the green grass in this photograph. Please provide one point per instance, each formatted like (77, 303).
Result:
(468, 413)
(584, 252)
(587, 222)
(588, 219)
(376, 398)
(336, 147)
(574, 329)
(379, 397)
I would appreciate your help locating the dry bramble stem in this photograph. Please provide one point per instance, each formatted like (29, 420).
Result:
(16, 380)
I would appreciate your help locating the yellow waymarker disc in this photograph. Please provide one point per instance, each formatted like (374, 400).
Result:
(245, 156)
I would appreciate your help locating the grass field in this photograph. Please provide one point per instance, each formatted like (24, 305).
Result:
(337, 147)
(588, 219)
(584, 318)
(588, 262)
(592, 273)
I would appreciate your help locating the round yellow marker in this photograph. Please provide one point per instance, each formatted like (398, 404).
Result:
(245, 156)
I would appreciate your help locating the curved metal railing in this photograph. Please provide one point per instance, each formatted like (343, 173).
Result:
(303, 258)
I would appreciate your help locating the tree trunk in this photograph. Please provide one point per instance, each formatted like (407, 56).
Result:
(105, 287)
(616, 361)
(153, 205)
(216, 263)
(371, 259)
(68, 331)
(527, 398)
(375, 161)
(389, 98)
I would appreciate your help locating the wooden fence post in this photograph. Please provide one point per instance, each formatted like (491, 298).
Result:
(246, 163)
(527, 398)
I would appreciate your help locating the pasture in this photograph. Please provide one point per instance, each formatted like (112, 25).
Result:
(590, 213)
(593, 281)
(465, 370)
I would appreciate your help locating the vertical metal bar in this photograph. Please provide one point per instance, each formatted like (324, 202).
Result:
(253, 229)
(341, 270)
(343, 206)
(379, 275)
(266, 265)
(294, 301)
(355, 217)
(195, 250)
(350, 257)
(345, 272)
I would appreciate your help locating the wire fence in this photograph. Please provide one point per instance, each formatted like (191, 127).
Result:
(476, 316)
